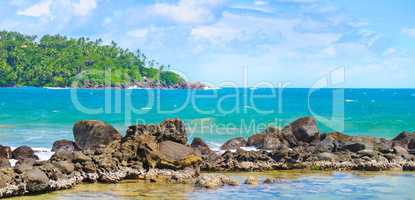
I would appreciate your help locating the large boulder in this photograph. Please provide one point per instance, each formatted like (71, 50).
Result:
(66, 145)
(256, 140)
(177, 156)
(5, 152)
(36, 180)
(199, 145)
(305, 129)
(273, 138)
(168, 130)
(24, 152)
(234, 143)
(93, 135)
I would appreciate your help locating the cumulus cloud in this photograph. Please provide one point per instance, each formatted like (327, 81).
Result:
(37, 10)
(50, 8)
(84, 7)
(187, 11)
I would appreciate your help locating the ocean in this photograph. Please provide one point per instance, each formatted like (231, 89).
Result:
(39, 116)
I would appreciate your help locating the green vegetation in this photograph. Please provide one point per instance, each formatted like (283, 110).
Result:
(58, 61)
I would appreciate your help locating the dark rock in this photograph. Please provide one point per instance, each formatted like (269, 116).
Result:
(93, 135)
(256, 140)
(234, 143)
(5, 152)
(201, 146)
(4, 163)
(65, 145)
(172, 130)
(36, 180)
(305, 129)
(411, 144)
(354, 147)
(168, 130)
(23, 152)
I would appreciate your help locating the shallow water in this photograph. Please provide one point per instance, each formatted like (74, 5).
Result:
(291, 185)
(37, 117)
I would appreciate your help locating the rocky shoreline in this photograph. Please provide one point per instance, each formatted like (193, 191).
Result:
(162, 153)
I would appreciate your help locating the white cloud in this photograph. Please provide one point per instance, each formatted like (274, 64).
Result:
(187, 11)
(37, 10)
(408, 31)
(50, 8)
(84, 7)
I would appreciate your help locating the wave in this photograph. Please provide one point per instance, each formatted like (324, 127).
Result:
(215, 146)
(350, 100)
(41, 152)
(57, 88)
(211, 88)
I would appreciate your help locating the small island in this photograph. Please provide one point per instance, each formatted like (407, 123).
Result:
(58, 61)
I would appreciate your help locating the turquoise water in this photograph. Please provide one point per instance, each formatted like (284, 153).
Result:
(39, 116)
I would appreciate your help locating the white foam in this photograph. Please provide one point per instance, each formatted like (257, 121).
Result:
(57, 88)
(41, 153)
(216, 148)
(350, 100)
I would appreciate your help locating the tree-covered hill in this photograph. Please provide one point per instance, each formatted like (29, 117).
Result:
(58, 61)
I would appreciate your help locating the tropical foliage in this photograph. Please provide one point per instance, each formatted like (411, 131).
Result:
(58, 61)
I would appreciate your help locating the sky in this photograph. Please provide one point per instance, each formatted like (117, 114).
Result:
(296, 43)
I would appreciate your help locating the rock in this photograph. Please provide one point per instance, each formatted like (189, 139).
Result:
(305, 129)
(177, 156)
(36, 180)
(65, 167)
(354, 146)
(65, 145)
(173, 130)
(256, 140)
(168, 130)
(93, 135)
(411, 144)
(6, 179)
(214, 181)
(200, 145)
(398, 150)
(234, 143)
(251, 180)
(24, 165)
(5, 152)
(4, 163)
(270, 180)
(23, 152)
(326, 156)
(62, 155)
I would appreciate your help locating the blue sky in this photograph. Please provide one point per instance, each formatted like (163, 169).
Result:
(296, 42)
